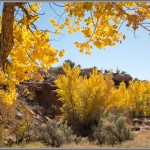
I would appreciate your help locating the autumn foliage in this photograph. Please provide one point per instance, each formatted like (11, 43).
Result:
(30, 48)
(31, 51)
(87, 99)
(100, 22)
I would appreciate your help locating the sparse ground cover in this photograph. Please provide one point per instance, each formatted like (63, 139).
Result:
(141, 140)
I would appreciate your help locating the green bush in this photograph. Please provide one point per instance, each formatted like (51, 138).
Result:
(112, 130)
(72, 64)
(98, 134)
(55, 134)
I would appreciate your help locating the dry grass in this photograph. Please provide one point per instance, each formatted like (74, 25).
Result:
(142, 140)
(29, 145)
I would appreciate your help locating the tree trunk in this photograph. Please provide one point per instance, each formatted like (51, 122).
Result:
(6, 38)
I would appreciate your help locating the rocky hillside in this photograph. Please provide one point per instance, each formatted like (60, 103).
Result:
(44, 91)
(39, 100)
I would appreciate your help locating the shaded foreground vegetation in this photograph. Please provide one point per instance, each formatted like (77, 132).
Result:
(141, 140)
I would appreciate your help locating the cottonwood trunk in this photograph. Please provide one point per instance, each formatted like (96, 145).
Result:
(6, 38)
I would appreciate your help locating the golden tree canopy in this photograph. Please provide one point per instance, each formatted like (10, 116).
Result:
(24, 48)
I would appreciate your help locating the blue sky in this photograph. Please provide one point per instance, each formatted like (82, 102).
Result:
(132, 56)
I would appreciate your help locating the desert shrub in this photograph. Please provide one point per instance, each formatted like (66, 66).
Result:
(7, 116)
(98, 134)
(112, 130)
(53, 109)
(55, 134)
(1, 135)
(30, 145)
(69, 135)
(72, 64)
(22, 127)
(7, 112)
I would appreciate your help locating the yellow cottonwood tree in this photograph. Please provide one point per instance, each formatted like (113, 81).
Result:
(84, 99)
(139, 92)
(23, 50)
(23, 47)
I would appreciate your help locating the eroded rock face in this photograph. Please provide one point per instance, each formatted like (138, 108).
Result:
(43, 91)
(46, 93)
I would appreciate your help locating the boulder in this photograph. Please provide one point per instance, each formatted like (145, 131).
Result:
(118, 78)
(135, 128)
(127, 79)
(19, 116)
(137, 121)
(146, 122)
